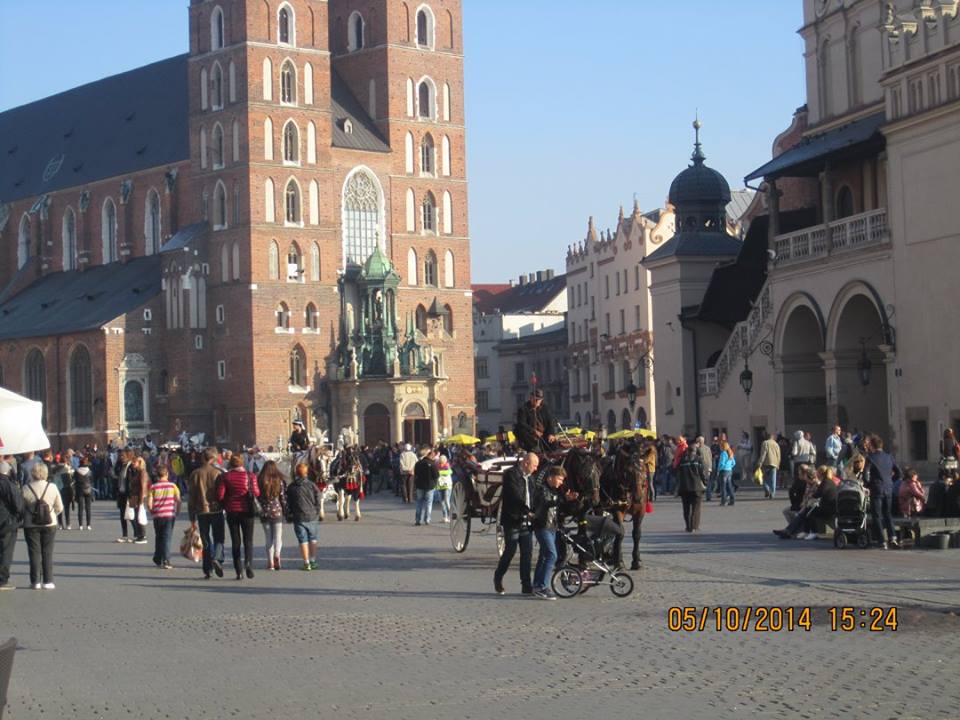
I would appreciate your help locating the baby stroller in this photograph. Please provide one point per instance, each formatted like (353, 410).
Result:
(851, 521)
(592, 570)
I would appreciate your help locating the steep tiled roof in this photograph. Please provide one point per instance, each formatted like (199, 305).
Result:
(364, 134)
(121, 124)
(526, 298)
(68, 302)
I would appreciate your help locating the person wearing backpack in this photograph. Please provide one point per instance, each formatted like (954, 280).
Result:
(11, 514)
(273, 501)
(83, 492)
(42, 504)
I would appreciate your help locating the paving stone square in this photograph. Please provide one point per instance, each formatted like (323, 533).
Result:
(397, 625)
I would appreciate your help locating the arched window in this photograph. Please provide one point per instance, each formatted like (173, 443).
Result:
(448, 319)
(445, 157)
(224, 264)
(428, 156)
(232, 72)
(216, 29)
(285, 26)
(216, 87)
(626, 420)
(268, 139)
(291, 143)
(81, 389)
(204, 89)
(446, 102)
(283, 316)
(35, 379)
(611, 421)
(315, 262)
(428, 214)
(151, 222)
(273, 261)
(269, 202)
(844, 206)
(427, 99)
(236, 261)
(267, 79)
(311, 143)
(627, 374)
(311, 317)
(410, 97)
(421, 319)
(405, 34)
(447, 213)
(450, 30)
(69, 240)
(448, 274)
(236, 202)
(425, 27)
(362, 213)
(236, 141)
(219, 207)
(355, 29)
(108, 231)
(308, 84)
(294, 264)
(23, 241)
(411, 211)
(217, 141)
(411, 267)
(288, 84)
(408, 153)
(430, 269)
(292, 202)
(314, 203)
(133, 405)
(298, 367)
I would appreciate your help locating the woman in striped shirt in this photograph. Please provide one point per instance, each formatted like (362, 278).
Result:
(163, 500)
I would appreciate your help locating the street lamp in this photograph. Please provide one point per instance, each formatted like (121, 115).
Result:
(746, 378)
(864, 366)
(632, 394)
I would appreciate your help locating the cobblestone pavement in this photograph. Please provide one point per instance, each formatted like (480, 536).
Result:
(397, 625)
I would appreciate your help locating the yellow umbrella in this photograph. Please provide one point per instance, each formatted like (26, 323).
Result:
(620, 435)
(644, 433)
(493, 438)
(589, 435)
(572, 431)
(462, 439)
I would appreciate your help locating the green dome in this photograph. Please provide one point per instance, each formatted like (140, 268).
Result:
(377, 266)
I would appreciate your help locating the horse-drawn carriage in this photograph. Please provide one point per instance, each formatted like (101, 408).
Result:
(478, 499)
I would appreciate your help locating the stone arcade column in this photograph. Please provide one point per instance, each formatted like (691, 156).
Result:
(398, 419)
(894, 411)
(830, 381)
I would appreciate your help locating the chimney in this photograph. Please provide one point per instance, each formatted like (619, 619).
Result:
(539, 275)
(549, 273)
(512, 281)
(531, 277)
(523, 279)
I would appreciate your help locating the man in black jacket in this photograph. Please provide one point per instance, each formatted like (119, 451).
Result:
(880, 472)
(303, 510)
(535, 429)
(11, 510)
(516, 514)
(425, 476)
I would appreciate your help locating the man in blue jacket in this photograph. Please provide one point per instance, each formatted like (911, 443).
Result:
(880, 472)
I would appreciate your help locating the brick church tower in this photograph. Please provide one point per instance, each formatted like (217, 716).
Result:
(319, 133)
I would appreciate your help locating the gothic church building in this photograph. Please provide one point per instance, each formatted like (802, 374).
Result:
(271, 227)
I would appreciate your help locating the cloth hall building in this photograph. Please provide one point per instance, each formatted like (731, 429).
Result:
(270, 227)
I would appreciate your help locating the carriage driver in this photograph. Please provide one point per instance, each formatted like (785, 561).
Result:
(535, 429)
(299, 440)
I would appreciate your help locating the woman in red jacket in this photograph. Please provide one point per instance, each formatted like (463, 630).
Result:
(234, 491)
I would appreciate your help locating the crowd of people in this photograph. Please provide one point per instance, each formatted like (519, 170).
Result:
(229, 492)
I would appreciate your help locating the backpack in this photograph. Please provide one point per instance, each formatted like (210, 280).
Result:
(42, 515)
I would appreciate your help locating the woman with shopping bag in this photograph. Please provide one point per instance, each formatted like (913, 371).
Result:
(138, 486)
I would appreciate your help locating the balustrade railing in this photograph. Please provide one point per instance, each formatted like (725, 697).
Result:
(819, 241)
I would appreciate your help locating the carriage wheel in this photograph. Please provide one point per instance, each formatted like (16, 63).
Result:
(839, 540)
(460, 522)
(566, 581)
(621, 584)
(501, 540)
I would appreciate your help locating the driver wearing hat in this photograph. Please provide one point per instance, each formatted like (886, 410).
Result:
(535, 427)
(299, 441)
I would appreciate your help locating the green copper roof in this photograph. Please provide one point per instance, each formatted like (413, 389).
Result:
(377, 266)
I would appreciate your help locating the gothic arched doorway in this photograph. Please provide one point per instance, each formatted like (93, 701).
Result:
(416, 425)
(804, 386)
(861, 394)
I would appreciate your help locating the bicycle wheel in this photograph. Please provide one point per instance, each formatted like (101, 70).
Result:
(566, 582)
(621, 584)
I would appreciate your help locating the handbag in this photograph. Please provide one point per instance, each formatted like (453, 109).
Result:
(141, 515)
(253, 504)
(758, 476)
(191, 546)
(129, 513)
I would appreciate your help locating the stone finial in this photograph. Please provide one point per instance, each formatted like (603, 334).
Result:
(591, 231)
(636, 207)
(620, 217)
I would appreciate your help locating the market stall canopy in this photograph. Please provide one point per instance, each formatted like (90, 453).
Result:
(493, 438)
(463, 439)
(21, 429)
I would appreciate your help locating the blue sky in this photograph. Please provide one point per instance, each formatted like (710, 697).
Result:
(573, 107)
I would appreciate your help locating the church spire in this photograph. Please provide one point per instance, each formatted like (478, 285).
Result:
(698, 157)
